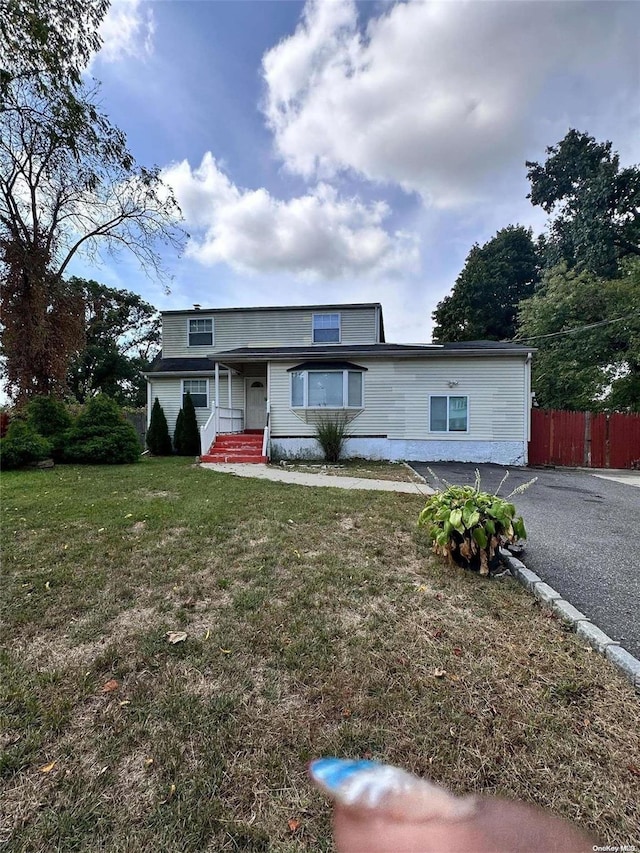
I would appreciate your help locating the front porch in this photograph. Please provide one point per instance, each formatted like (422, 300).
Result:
(236, 447)
(238, 422)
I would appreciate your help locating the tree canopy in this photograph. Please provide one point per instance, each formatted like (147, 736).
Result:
(122, 338)
(485, 297)
(48, 42)
(594, 204)
(68, 186)
(587, 331)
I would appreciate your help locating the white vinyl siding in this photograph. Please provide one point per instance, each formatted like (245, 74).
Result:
(398, 393)
(286, 328)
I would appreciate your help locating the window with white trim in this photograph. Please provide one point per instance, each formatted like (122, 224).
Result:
(326, 328)
(449, 414)
(201, 332)
(198, 388)
(326, 389)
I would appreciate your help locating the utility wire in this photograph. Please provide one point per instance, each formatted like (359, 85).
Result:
(576, 329)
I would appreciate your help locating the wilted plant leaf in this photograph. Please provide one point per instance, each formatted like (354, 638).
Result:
(293, 824)
(47, 767)
(176, 637)
(110, 686)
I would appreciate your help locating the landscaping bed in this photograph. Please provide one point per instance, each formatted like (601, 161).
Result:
(360, 468)
(317, 622)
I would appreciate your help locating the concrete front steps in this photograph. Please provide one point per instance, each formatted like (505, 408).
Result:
(237, 447)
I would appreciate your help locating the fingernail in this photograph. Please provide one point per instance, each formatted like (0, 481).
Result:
(371, 785)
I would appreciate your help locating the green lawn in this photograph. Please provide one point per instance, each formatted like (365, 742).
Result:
(316, 621)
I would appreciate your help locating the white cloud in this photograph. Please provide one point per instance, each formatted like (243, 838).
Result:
(318, 234)
(440, 97)
(127, 31)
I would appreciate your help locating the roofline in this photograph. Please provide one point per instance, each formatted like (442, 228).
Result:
(360, 354)
(323, 307)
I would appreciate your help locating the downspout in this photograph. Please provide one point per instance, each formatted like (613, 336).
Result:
(149, 401)
(217, 393)
(527, 406)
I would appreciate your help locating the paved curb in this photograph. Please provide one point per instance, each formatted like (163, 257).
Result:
(627, 664)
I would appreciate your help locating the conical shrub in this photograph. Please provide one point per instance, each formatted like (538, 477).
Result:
(158, 438)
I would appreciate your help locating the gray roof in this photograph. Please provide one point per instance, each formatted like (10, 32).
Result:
(324, 307)
(336, 352)
(373, 350)
(182, 365)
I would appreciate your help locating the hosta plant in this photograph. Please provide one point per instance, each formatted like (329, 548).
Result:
(468, 526)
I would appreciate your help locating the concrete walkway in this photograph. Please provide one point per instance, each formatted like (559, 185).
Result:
(270, 472)
(629, 478)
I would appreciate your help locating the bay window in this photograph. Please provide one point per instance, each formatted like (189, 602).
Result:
(327, 388)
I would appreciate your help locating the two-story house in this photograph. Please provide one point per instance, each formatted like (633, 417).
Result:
(277, 370)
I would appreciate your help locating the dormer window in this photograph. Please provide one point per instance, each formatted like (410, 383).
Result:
(201, 332)
(326, 328)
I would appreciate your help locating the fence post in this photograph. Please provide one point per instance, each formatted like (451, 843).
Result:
(587, 439)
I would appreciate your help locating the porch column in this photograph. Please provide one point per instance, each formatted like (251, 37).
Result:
(229, 396)
(216, 385)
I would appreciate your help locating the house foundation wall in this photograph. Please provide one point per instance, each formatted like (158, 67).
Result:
(416, 450)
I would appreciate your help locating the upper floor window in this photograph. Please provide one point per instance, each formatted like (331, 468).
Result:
(326, 328)
(198, 388)
(449, 414)
(201, 332)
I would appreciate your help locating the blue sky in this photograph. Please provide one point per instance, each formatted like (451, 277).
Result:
(334, 151)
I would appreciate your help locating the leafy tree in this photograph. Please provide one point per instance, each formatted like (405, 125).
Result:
(587, 331)
(68, 185)
(594, 203)
(122, 337)
(158, 439)
(101, 435)
(485, 297)
(48, 43)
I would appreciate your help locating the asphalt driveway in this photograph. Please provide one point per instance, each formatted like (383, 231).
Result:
(582, 538)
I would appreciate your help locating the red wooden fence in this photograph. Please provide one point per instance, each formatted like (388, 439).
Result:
(584, 439)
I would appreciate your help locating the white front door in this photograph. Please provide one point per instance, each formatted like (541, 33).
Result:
(256, 414)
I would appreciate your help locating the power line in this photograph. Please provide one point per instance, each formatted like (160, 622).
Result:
(576, 329)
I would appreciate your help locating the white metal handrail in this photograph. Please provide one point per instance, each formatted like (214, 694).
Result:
(208, 432)
(266, 435)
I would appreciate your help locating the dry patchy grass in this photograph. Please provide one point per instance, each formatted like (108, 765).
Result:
(315, 622)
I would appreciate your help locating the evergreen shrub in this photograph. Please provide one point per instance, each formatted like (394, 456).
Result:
(50, 418)
(158, 438)
(22, 445)
(187, 435)
(102, 435)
